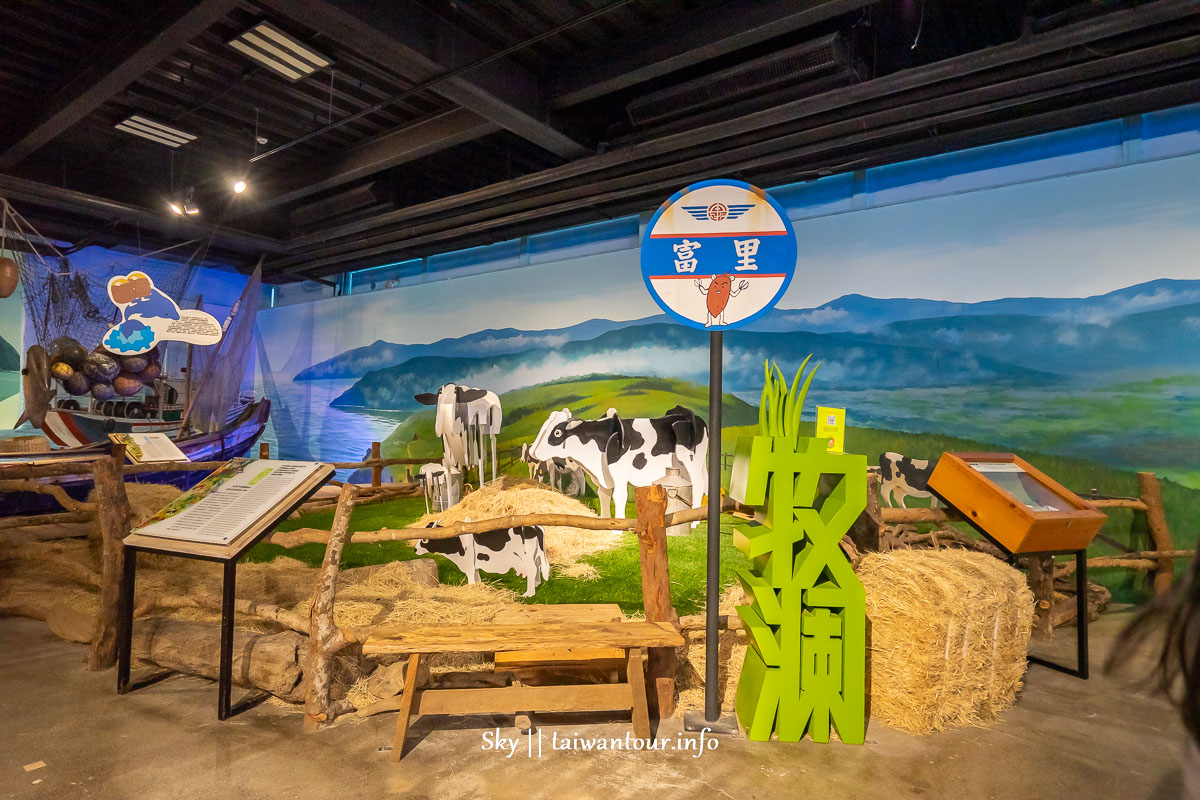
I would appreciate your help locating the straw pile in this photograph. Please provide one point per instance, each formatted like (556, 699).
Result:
(948, 633)
(508, 496)
(731, 648)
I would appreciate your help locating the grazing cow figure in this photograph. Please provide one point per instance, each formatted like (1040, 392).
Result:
(522, 550)
(463, 418)
(441, 491)
(901, 477)
(553, 471)
(616, 452)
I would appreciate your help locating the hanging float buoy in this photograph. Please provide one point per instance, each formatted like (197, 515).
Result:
(9, 275)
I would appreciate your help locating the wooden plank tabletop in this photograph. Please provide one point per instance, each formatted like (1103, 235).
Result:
(398, 639)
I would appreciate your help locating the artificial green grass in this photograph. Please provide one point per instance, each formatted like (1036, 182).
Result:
(620, 578)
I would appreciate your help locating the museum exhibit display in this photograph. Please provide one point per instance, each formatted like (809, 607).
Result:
(532, 398)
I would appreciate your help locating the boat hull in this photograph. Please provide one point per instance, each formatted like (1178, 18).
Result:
(233, 441)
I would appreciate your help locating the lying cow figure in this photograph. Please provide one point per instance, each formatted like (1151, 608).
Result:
(522, 550)
(901, 477)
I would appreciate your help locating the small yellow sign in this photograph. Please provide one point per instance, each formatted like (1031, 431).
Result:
(831, 426)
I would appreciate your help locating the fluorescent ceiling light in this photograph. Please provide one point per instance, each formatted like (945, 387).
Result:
(154, 131)
(273, 48)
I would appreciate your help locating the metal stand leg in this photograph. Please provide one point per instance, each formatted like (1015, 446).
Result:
(125, 621)
(1081, 618)
(225, 680)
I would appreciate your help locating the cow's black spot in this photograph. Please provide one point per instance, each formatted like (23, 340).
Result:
(494, 540)
(446, 547)
(639, 461)
(482, 557)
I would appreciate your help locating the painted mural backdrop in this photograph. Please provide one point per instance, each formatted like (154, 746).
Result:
(1059, 317)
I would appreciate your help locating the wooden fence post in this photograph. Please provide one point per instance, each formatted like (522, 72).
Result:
(264, 449)
(656, 593)
(376, 470)
(1041, 581)
(867, 529)
(1156, 518)
(325, 638)
(112, 518)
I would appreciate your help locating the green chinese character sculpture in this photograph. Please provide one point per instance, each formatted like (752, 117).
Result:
(806, 664)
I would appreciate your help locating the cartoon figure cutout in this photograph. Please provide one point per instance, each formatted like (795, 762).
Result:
(148, 317)
(717, 295)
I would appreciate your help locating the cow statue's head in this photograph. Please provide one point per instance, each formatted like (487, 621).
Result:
(552, 436)
(447, 399)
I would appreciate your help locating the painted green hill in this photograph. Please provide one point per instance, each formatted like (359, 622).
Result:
(590, 397)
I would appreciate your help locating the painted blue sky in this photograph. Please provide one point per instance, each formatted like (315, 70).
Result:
(1070, 236)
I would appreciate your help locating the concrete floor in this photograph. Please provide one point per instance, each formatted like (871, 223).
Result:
(1065, 738)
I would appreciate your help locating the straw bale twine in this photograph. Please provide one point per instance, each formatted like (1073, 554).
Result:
(948, 634)
(508, 496)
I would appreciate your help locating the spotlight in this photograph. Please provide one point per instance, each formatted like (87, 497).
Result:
(185, 205)
(239, 186)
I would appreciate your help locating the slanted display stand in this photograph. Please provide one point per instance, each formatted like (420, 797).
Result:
(1026, 513)
(218, 520)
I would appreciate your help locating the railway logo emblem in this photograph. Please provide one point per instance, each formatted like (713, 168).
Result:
(718, 212)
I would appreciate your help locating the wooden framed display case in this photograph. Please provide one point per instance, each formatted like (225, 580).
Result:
(1021, 508)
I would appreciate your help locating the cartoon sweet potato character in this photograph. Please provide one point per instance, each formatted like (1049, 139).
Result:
(135, 285)
(717, 294)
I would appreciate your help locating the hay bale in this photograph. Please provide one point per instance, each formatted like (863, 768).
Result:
(508, 496)
(948, 634)
(25, 444)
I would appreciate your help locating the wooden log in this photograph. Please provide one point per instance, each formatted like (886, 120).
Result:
(264, 449)
(1041, 581)
(912, 516)
(46, 519)
(1144, 559)
(377, 468)
(325, 637)
(693, 623)
(53, 489)
(663, 666)
(283, 616)
(270, 662)
(1116, 502)
(947, 535)
(866, 530)
(113, 521)
(1156, 518)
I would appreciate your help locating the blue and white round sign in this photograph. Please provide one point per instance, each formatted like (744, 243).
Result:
(718, 254)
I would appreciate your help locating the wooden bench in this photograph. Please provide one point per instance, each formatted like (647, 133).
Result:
(417, 641)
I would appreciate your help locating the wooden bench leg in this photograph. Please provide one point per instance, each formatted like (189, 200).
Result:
(637, 687)
(406, 702)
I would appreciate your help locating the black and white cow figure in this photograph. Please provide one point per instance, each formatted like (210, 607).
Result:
(901, 477)
(463, 418)
(522, 550)
(616, 452)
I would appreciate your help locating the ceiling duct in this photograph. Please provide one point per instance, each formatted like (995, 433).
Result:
(821, 58)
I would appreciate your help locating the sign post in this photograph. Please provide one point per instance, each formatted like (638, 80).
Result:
(717, 255)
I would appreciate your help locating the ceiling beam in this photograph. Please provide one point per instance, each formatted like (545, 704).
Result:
(423, 46)
(98, 208)
(407, 143)
(694, 39)
(664, 149)
(177, 23)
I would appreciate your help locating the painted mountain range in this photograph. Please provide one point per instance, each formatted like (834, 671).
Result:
(1056, 332)
(669, 350)
(361, 360)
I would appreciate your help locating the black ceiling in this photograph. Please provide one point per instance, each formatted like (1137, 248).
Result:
(444, 124)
